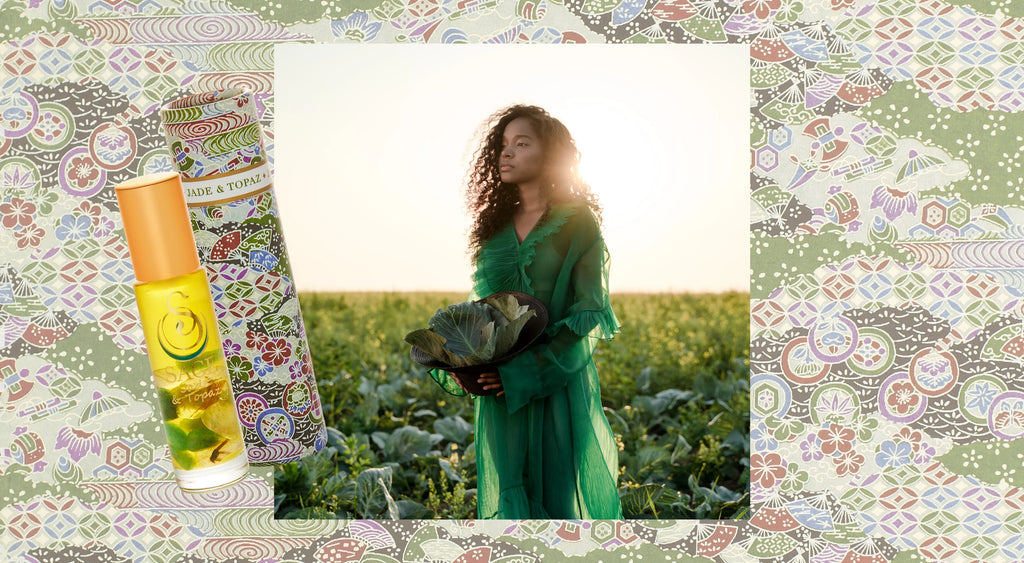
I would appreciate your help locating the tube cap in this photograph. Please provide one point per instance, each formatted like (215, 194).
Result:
(157, 227)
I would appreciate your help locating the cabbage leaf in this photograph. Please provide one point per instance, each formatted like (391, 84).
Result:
(472, 333)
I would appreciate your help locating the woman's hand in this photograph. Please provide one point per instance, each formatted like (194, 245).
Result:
(457, 382)
(491, 380)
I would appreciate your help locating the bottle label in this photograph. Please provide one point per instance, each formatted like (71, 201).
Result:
(181, 333)
(228, 186)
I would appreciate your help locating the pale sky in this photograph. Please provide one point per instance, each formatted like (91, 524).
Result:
(372, 143)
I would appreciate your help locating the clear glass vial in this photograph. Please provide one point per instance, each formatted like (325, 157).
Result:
(185, 353)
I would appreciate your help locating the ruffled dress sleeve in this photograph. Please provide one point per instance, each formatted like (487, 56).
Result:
(578, 305)
(447, 382)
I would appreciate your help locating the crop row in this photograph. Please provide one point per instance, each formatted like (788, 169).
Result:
(675, 387)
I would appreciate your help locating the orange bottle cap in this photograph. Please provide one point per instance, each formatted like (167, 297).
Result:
(157, 226)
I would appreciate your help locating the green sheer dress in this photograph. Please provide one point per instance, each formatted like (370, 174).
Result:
(545, 450)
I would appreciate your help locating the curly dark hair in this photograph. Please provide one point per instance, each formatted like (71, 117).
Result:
(492, 202)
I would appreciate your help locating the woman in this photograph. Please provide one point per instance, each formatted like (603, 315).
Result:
(543, 445)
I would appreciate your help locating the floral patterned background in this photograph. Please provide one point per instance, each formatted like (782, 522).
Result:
(887, 284)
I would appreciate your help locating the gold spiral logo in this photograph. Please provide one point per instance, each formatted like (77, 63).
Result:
(181, 333)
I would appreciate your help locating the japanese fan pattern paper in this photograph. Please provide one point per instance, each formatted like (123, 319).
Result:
(887, 282)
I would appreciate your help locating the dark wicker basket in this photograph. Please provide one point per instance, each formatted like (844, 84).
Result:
(467, 375)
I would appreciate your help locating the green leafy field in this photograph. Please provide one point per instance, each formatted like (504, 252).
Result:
(675, 386)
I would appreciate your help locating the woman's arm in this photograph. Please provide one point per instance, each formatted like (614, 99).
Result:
(562, 353)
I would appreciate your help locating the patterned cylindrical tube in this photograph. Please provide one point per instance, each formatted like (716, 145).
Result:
(217, 145)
